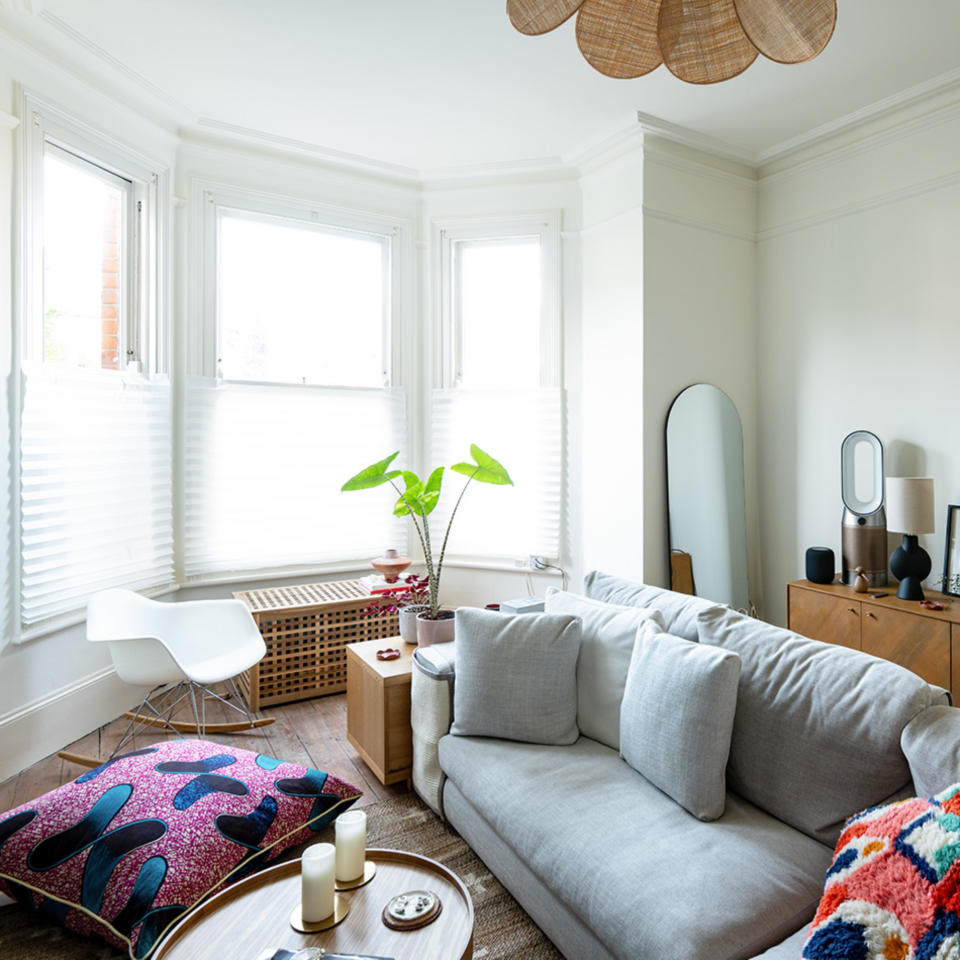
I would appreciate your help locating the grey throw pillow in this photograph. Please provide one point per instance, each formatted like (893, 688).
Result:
(676, 718)
(516, 676)
(606, 645)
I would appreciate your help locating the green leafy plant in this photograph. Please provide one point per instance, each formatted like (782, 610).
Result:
(418, 498)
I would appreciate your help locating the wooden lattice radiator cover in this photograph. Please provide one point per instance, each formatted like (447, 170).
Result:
(306, 630)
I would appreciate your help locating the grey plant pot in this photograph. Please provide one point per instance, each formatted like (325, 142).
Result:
(435, 631)
(408, 621)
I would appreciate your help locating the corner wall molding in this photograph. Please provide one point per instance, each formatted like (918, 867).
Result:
(861, 206)
(704, 225)
(8, 121)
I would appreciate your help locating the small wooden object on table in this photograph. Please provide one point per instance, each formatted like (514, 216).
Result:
(307, 630)
(922, 640)
(378, 708)
(254, 914)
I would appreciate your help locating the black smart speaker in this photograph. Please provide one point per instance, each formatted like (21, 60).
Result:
(820, 565)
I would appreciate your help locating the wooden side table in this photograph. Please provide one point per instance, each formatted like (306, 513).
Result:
(378, 708)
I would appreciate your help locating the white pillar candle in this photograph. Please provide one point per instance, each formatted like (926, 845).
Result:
(317, 867)
(351, 832)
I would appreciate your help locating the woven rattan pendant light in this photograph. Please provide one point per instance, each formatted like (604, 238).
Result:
(700, 41)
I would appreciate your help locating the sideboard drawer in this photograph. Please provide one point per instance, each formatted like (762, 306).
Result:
(823, 617)
(918, 643)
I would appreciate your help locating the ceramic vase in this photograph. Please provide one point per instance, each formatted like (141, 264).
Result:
(435, 631)
(408, 621)
(391, 565)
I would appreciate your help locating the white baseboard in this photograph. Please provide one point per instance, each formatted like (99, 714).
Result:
(46, 725)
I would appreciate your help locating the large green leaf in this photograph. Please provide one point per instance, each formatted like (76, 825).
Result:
(374, 475)
(486, 469)
(431, 491)
(411, 496)
(422, 497)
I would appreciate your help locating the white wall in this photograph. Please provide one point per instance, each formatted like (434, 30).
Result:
(859, 319)
(699, 315)
(611, 359)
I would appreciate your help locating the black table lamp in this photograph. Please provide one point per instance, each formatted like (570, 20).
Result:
(910, 512)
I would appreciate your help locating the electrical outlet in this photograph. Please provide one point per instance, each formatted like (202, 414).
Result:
(537, 563)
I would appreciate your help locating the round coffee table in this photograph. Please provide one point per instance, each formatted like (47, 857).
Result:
(253, 914)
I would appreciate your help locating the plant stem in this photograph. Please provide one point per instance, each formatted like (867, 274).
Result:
(446, 536)
(423, 543)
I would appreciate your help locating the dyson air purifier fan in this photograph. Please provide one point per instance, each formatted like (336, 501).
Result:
(864, 526)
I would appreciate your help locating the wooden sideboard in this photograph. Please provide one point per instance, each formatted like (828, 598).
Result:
(924, 641)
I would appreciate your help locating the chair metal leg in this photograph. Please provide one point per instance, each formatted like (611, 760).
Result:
(193, 704)
(232, 684)
(157, 702)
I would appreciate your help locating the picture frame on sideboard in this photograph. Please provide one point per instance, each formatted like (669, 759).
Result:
(951, 552)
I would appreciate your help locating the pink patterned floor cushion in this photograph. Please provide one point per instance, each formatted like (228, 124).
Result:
(126, 849)
(893, 891)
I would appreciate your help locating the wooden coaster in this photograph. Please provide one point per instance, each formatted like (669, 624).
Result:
(341, 907)
(412, 910)
(369, 872)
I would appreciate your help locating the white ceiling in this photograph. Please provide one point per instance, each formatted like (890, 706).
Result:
(433, 84)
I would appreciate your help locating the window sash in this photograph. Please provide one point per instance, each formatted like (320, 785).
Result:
(325, 229)
(94, 446)
(263, 472)
(523, 430)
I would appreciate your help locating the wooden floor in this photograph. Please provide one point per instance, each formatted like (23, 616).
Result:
(312, 732)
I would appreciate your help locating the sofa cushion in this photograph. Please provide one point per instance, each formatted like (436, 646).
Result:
(648, 879)
(127, 848)
(678, 610)
(893, 889)
(516, 676)
(677, 717)
(607, 635)
(817, 731)
(931, 744)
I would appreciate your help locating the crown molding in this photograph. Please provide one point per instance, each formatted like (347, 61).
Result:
(158, 94)
(8, 121)
(915, 96)
(304, 148)
(697, 141)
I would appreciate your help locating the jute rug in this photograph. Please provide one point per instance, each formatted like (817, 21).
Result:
(502, 928)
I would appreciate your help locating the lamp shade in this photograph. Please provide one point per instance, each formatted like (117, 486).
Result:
(910, 505)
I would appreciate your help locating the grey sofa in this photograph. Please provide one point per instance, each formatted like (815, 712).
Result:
(611, 867)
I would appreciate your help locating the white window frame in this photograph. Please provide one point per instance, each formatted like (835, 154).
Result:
(144, 335)
(210, 199)
(447, 234)
(445, 335)
(148, 280)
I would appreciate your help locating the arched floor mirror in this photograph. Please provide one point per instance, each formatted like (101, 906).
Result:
(706, 499)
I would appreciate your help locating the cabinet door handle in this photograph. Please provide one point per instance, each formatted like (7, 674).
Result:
(872, 616)
(852, 609)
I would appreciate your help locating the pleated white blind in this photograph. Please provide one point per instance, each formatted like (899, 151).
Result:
(96, 488)
(264, 468)
(522, 429)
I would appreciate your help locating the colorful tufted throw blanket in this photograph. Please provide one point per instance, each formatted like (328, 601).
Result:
(893, 890)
